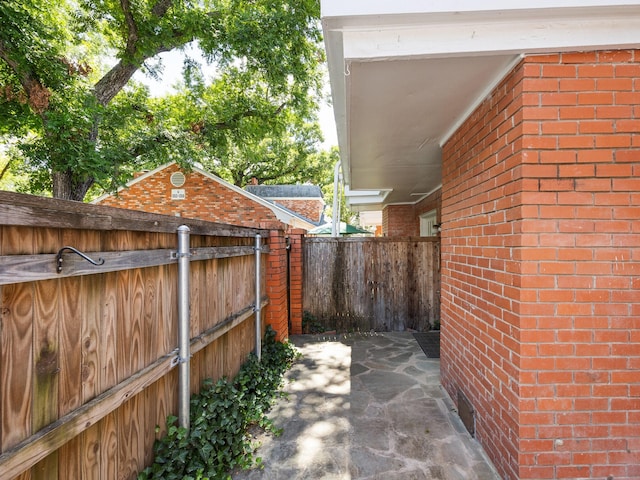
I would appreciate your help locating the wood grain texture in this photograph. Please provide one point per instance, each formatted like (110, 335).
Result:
(372, 283)
(16, 363)
(46, 323)
(29, 268)
(29, 210)
(77, 347)
(72, 297)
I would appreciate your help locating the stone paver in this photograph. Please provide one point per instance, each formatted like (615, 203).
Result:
(367, 406)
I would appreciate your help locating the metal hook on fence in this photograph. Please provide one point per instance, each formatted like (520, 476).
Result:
(100, 261)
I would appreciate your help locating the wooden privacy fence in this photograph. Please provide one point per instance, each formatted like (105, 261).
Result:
(88, 355)
(381, 284)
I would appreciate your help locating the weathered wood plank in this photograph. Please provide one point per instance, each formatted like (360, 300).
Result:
(30, 210)
(33, 449)
(107, 368)
(28, 268)
(130, 454)
(109, 461)
(72, 299)
(16, 363)
(46, 323)
(90, 453)
(371, 283)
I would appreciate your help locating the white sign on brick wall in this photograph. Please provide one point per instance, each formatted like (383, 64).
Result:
(178, 194)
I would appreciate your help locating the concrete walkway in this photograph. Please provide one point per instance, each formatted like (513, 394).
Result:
(367, 406)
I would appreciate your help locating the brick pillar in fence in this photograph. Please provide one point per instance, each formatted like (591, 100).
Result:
(295, 280)
(277, 314)
(541, 267)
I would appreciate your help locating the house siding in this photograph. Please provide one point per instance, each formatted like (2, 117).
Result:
(540, 267)
(205, 199)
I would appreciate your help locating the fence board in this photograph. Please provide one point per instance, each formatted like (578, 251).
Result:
(86, 365)
(17, 363)
(382, 284)
(28, 268)
(29, 210)
(72, 298)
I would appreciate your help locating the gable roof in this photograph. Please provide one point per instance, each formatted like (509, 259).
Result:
(285, 191)
(284, 215)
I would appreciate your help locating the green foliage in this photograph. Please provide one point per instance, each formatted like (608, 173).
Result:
(221, 414)
(66, 91)
(311, 324)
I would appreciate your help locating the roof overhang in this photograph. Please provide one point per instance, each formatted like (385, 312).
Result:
(405, 74)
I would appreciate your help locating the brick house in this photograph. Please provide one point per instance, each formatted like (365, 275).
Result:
(305, 200)
(519, 124)
(198, 194)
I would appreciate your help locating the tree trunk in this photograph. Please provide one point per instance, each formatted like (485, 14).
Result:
(66, 188)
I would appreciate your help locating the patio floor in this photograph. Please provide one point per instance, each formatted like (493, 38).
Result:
(367, 406)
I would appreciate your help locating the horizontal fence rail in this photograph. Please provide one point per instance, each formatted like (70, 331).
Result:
(89, 353)
(29, 268)
(363, 284)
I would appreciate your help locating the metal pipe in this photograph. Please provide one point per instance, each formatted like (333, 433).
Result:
(184, 388)
(258, 301)
(335, 220)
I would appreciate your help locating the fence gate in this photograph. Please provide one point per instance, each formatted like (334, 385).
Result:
(363, 284)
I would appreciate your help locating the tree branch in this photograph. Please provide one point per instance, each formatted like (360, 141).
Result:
(116, 78)
(132, 28)
(37, 94)
(161, 7)
(233, 121)
(5, 169)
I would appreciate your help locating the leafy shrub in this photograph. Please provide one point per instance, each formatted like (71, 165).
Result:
(221, 414)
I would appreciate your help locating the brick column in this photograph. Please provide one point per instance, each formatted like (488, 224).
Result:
(541, 260)
(295, 280)
(400, 221)
(276, 284)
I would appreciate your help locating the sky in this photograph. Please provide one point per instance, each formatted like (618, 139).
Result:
(172, 74)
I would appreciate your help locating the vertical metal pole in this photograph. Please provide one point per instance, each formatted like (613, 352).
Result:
(184, 355)
(335, 220)
(258, 301)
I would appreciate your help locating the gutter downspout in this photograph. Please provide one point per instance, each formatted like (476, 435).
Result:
(335, 221)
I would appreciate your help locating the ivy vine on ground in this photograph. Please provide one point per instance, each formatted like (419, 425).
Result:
(221, 416)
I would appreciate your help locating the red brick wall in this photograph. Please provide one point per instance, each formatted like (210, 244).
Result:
(404, 220)
(205, 199)
(295, 280)
(209, 200)
(276, 285)
(541, 257)
(308, 208)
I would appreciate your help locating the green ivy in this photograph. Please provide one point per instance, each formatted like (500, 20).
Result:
(221, 414)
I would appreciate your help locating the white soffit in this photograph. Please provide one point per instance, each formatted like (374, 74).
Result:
(405, 74)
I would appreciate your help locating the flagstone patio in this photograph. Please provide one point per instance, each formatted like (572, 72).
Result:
(367, 406)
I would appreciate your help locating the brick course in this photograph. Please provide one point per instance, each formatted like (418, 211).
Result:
(404, 220)
(205, 199)
(540, 259)
(309, 208)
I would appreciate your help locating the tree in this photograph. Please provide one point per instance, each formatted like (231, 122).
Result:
(89, 124)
